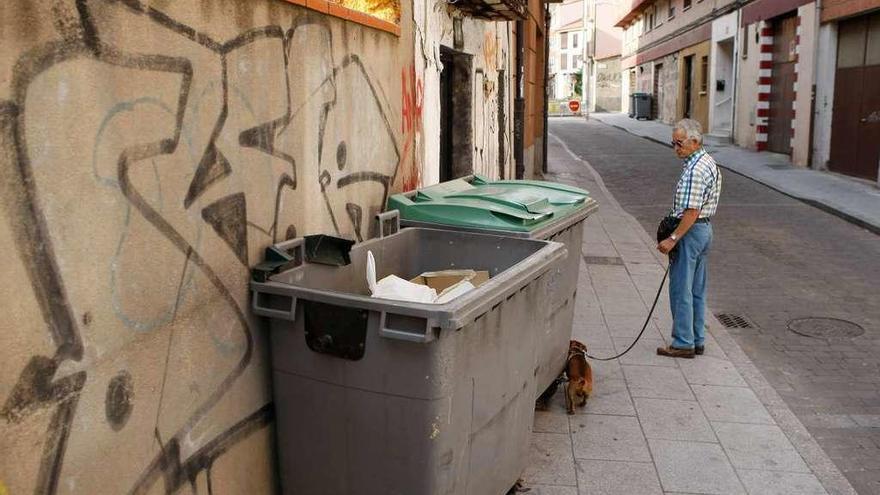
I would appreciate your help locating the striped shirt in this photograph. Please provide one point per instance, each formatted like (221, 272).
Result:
(699, 186)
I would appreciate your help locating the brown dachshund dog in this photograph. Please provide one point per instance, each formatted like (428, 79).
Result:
(580, 376)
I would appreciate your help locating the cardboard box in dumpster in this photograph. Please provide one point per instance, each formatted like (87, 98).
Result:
(442, 280)
(424, 288)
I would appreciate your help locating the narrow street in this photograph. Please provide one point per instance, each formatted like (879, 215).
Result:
(774, 260)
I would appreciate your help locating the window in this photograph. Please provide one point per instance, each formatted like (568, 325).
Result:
(574, 40)
(745, 43)
(659, 16)
(687, 5)
(564, 40)
(651, 20)
(563, 62)
(704, 74)
(671, 13)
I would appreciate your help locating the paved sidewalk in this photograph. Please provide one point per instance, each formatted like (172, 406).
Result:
(655, 425)
(854, 200)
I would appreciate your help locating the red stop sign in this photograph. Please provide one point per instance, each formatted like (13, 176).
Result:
(574, 105)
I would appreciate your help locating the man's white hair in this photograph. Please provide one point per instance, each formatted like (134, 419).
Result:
(692, 129)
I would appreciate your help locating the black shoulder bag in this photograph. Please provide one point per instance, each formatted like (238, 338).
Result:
(667, 226)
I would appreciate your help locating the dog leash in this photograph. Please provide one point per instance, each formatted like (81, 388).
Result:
(648, 319)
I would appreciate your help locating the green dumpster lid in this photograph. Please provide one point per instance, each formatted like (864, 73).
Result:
(506, 205)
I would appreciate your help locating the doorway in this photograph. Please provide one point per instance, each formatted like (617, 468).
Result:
(657, 96)
(456, 95)
(782, 84)
(688, 86)
(855, 123)
(722, 108)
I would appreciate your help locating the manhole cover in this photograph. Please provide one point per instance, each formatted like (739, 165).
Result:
(825, 328)
(733, 320)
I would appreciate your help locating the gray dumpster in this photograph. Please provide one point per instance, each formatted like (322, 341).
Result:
(518, 208)
(641, 106)
(377, 396)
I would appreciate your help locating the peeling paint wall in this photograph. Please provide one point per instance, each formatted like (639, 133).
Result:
(149, 151)
(607, 85)
(667, 98)
(490, 46)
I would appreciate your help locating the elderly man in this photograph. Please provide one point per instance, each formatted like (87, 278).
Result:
(696, 199)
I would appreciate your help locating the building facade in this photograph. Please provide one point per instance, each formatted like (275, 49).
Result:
(846, 135)
(585, 54)
(568, 45)
(668, 52)
(794, 77)
(776, 77)
(151, 150)
(602, 60)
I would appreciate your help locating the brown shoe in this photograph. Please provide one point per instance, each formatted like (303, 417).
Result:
(675, 352)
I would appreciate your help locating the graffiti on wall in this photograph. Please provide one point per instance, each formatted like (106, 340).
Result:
(146, 164)
(412, 88)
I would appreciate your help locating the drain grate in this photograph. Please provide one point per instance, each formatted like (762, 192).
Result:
(733, 320)
(603, 260)
(779, 166)
(825, 328)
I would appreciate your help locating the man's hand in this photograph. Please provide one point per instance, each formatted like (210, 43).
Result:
(666, 246)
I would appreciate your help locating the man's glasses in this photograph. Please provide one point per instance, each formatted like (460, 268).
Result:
(676, 143)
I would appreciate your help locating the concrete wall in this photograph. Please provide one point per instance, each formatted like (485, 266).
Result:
(682, 18)
(148, 154)
(747, 87)
(533, 82)
(607, 85)
(645, 78)
(625, 77)
(608, 37)
(723, 58)
(825, 72)
(667, 100)
(838, 9)
(806, 58)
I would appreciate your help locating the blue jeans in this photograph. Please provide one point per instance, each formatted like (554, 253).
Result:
(687, 286)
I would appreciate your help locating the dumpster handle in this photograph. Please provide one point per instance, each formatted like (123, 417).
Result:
(390, 333)
(272, 312)
(386, 216)
(293, 247)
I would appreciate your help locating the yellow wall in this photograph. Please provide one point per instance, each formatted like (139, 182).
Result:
(699, 98)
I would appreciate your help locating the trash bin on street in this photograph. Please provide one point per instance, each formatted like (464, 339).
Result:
(641, 108)
(526, 209)
(378, 396)
(632, 105)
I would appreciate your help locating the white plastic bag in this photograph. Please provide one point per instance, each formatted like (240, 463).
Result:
(394, 287)
(456, 290)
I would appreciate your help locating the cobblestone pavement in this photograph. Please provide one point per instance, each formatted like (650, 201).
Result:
(774, 260)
